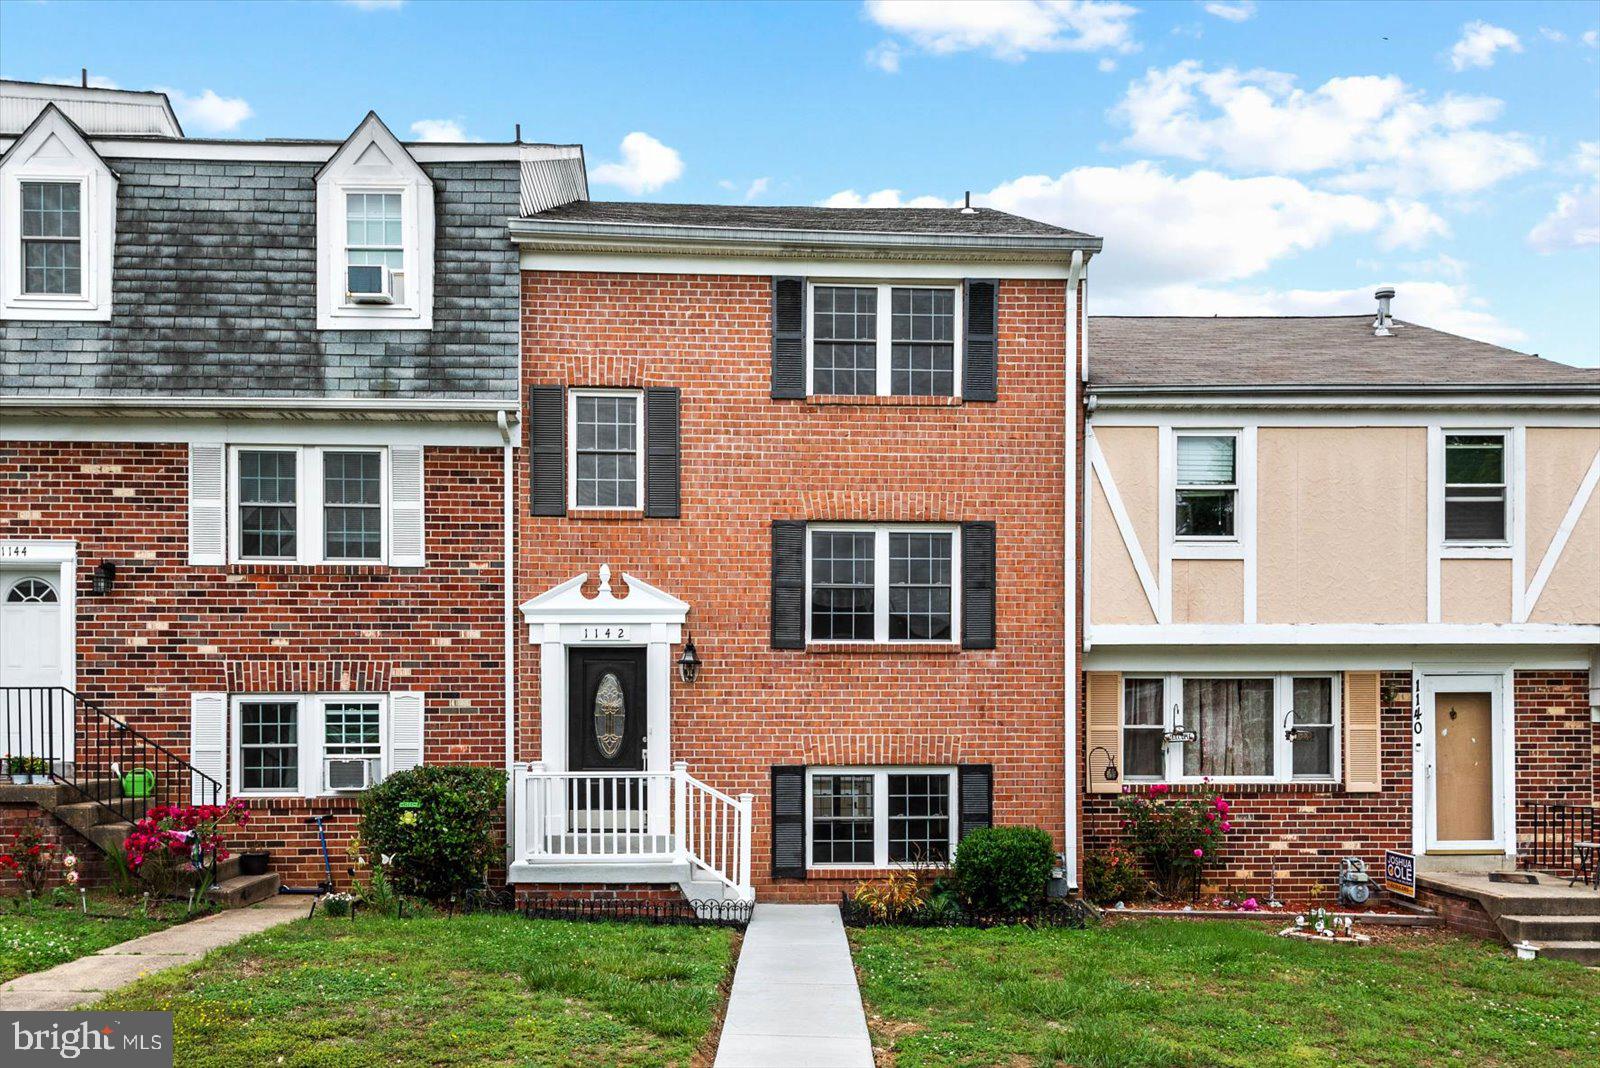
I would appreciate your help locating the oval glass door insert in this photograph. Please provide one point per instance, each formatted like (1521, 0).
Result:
(609, 715)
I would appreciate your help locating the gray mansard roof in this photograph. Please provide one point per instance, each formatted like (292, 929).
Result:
(1182, 353)
(214, 294)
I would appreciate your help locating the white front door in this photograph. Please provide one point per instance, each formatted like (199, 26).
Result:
(1464, 760)
(33, 716)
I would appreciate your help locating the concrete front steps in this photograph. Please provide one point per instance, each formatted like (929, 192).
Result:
(692, 882)
(98, 822)
(1560, 921)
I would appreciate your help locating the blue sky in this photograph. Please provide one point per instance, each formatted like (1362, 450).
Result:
(1238, 158)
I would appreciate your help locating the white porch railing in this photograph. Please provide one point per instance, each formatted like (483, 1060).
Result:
(598, 817)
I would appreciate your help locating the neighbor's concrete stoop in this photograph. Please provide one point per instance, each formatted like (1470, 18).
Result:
(1561, 921)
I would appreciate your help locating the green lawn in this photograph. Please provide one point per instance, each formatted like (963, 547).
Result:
(1182, 992)
(485, 989)
(33, 938)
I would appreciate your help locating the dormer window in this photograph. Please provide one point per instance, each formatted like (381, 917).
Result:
(374, 236)
(57, 225)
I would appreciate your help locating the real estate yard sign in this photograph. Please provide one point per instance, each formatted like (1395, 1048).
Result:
(1400, 873)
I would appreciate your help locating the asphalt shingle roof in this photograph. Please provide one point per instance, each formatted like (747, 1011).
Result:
(980, 222)
(1179, 351)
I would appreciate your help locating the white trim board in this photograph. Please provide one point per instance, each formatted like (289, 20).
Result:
(324, 431)
(1179, 634)
(900, 268)
(1373, 411)
(1558, 544)
(1168, 658)
(1119, 513)
(18, 554)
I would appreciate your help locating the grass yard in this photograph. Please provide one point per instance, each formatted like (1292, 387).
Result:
(484, 989)
(40, 936)
(1181, 992)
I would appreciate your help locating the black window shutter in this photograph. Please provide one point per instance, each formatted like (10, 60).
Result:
(788, 337)
(663, 453)
(788, 821)
(979, 359)
(975, 784)
(977, 585)
(547, 449)
(788, 584)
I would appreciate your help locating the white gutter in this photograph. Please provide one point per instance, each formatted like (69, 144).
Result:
(508, 607)
(1069, 539)
(464, 406)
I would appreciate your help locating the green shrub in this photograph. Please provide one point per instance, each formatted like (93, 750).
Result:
(437, 823)
(1003, 870)
(1113, 876)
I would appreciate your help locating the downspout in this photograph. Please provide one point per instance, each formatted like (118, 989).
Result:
(1069, 538)
(508, 585)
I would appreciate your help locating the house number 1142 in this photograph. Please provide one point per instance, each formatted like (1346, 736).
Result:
(605, 634)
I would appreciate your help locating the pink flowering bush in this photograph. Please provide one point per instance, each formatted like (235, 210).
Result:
(174, 844)
(1177, 836)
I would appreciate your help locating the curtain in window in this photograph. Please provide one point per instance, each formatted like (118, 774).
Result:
(1232, 720)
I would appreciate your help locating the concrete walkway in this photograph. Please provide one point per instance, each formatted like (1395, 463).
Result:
(84, 980)
(795, 1002)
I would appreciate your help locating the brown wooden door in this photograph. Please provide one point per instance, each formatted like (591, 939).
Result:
(1463, 746)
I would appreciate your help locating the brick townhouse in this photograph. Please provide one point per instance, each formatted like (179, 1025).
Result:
(1344, 571)
(254, 497)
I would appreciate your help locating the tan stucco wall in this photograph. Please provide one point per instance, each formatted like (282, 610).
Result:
(1558, 458)
(1475, 591)
(1132, 454)
(1208, 591)
(1342, 528)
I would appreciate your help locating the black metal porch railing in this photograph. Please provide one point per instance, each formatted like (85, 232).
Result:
(1547, 833)
(97, 756)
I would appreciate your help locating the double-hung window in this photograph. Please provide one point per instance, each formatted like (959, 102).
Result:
(876, 817)
(308, 505)
(1245, 728)
(882, 583)
(52, 238)
(884, 340)
(1207, 485)
(308, 745)
(607, 454)
(375, 234)
(1475, 488)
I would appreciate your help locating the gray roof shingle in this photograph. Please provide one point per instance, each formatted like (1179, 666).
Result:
(1183, 351)
(980, 222)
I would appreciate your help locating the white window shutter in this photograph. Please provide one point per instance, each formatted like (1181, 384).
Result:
(208, 508)
(208, 746)
(406, 540)
(405, 730)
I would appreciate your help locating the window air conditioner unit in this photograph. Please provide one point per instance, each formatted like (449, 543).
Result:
(369, 285)
(350, 773)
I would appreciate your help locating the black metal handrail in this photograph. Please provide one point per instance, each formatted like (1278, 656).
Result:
(97, 756)
(1548, 832)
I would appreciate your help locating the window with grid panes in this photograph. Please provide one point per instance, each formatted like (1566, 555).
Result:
(842, 574)
(842, 819)
(606, 450)
(269, 745)
(352, 505)
(920, 586)
(844, 349)
(267, 504)
(919, 818)
(52, 238)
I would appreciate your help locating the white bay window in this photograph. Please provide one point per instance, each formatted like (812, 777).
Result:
(1246, 728)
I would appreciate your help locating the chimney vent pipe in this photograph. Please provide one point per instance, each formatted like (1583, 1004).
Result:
(1383, 325)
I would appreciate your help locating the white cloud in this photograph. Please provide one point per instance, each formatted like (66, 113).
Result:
(375, 5)
(1454, 308)
(885, 56)
(757, 187)
(1235, 11)
(1008, 29)
(1554, 36)
(1574, 222)
(646, 165)
(1106, 65)
(1367, 132)
(440, 130)
(883, 198)
(1591, 38)
(208, 112)
(1410, 224)
(1478, 44)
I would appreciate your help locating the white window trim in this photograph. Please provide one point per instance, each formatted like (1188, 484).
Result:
(344, 174)
(880, 810)
(1283, 748)
(310, 739)
(880, 581)
(97, 224)
(309, 504)
(1488, 548)
(637, 396)
(1195, 542)
(885, 336)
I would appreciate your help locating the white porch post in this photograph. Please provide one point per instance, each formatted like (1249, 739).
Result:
(746, 826)
(680, 808)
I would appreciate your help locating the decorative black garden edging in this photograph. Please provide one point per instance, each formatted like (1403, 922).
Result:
(685, 913)
(1056, 912)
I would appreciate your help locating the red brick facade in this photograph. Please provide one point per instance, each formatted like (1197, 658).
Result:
(748, 460)
(1293, 837)
(169, 629)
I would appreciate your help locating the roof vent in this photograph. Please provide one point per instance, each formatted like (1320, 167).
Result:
(1384, 325)
(968, 209)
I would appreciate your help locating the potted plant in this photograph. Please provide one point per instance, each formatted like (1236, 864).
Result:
(254, 863)
(39, 771)
(17, 768)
